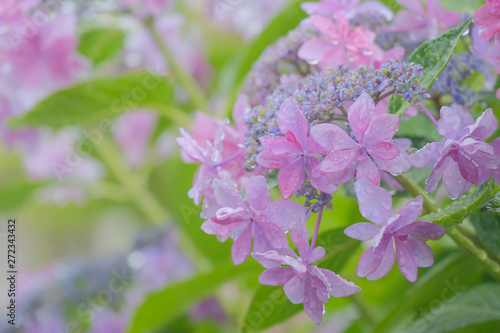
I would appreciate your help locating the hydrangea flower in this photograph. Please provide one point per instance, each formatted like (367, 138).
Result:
(463, 156)
(344, 45)
(418, 24)
(488, 18)
(293, 153)
(400, 230)
(369, 148)
(349, 8)
(256, 218)
(302, 282)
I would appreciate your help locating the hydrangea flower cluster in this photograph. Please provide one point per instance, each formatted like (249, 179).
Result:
(321, 125)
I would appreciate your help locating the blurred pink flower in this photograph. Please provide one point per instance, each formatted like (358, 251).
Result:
(293, 153)
(419, 24)
(488, 19)
(343, 45)
(348, 8)
(257, 218)
(375, 204)
(369, 148)
(463, 158)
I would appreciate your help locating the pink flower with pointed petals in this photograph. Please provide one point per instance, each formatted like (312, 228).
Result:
(375, 204)
(463, 158)
(344, 46)
(257, 218)
(488, 19)
(369, 148)
(293, 153)
(419, 24)
(302, 282)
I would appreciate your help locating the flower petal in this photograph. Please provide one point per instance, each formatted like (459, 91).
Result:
(368, 263)
(453, 121)
(384, 151)
(453, 181)
(386, 263)
(426, 155)
(267, 237)
(242, 246)
(408, 214)
(313, 305)
(323, 182)
(339, 287)
(484, 126)
(421, 252)
(382, 128)
(278, 152)
(360, 115)
(294, 289)
(291, 119)
(339, 161)
(362, 231)
(331, 137)
(314, 50)
(286, 213)
(406, 263)
(424, 229)
(257, 193)
(437, 173)
(375, 203)
(367, 170)
(291, 177)
(277, 276)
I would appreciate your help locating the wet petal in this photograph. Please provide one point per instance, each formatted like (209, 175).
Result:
(362, 231)
(291, 178)
(277, 276)
(406, 263)
(375, 203)
(294, 289)
(291, 119)
(360, 115)
(242, 246)
(257, 193)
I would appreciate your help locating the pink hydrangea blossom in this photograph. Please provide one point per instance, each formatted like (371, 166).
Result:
(368, 150)
(401, 230)
(462, 158)
(302, 282)
(256, 218)
(348, 8)
(419, 24)
(343, 45)
(488, 19)
(293, 153)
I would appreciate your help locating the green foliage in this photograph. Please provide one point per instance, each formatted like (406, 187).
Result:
(433, 55)
(101, 44)
(480, 304)
(464, 206)
(99, 101)
(167, 304)
(15, 194)
(270, 305)
(488, 229)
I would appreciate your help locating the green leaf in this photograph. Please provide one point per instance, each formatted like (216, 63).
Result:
(464, 206)
(101, 44)
(433, 55)
(14, 195)
(99, 100)
(270, 305)
(447, 278)
(480, 304)
(488, 229)
(493, 206)
(163, 306)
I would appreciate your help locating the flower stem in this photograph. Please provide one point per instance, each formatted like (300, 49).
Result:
(316, 230)
(185, 79)
(134, 185)
(387, 94)
(428, 114)
(460, 238)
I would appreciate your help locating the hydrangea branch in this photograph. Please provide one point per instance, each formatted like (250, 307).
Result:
(428, 114)
(185, 79)
(460, 238)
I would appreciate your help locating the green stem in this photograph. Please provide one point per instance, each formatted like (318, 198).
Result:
(188, 82)
(460, 238)
(134, 185)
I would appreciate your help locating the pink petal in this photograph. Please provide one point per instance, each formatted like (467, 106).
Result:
(408, 214)
(294, 289)
(320, 180)
(453, 181)
(362, 231)
(316, 254)
(291, 119)
(386, 263)
(257, 193)
(278, 152)
(227, 215)
(360, 115)
(336, 57)
(413, 6)
(453, 121)
(331, 137)
(437, 173)
(384, 151)
(291, 177)
(424, 229)
(340, 287)
(375, 203)
(339, 160)
(300, 237)
(269, 259)
(242, 246)
(484, 126)
(382, 128)
(406, 263)
(367, 170)
(326, 26)
(190, 147)
(241, 107)
(368, 263)
(212, 228)
(314, 50)
(277, 276)
(268, 236)
(226, 196)
(427, 154)
(313, 306)
(467, 168)
(421, 252)
(286, 213)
